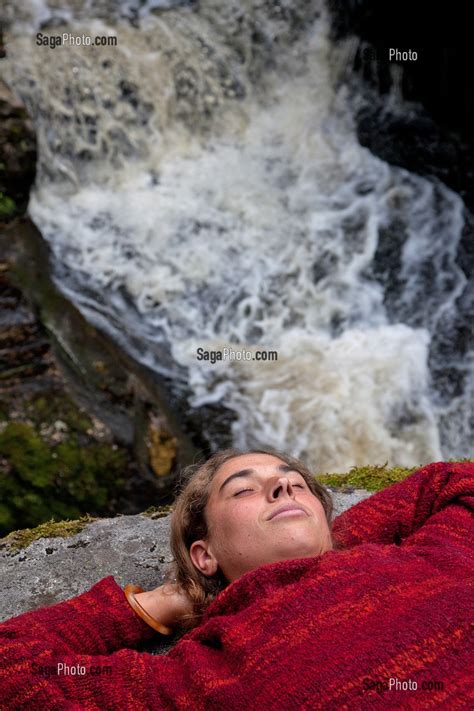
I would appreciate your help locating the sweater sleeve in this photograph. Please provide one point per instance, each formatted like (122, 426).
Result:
(399, 511)
(83, 635)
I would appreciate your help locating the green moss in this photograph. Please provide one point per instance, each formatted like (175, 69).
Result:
(158, 511)
(42, 482)
(371, 477)
(50, 529)
(29, 455)
(7, 205)
(41, 406)
(59, 407)
(83, 470)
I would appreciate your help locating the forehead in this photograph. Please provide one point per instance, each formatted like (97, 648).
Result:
(260, 462)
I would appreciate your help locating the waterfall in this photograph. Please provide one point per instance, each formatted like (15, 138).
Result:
(201, 185)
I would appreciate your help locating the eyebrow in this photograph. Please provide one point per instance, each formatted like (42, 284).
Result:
(249, 472)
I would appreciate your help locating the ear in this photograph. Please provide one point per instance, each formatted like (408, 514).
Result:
(202, 557)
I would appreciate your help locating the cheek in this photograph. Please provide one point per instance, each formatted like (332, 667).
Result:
(324, 522)
(235, 526)
(320, 513)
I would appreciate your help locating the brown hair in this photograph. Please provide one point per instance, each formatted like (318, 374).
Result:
(188, 524)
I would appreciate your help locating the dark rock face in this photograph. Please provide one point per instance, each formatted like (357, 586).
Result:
(435, 136)
(24, 347)
(17, 155)
(438, 78)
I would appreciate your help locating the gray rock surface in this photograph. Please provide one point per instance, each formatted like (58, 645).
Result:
(134, 549)
(343, 501)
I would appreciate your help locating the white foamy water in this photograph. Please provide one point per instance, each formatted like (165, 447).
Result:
(194, 201)
(31, 15)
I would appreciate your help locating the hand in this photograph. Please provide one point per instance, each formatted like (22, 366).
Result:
(166, 603)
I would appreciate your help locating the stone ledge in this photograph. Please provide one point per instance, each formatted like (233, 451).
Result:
(131, 548)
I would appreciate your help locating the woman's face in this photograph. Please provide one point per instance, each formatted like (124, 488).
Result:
(259, 511)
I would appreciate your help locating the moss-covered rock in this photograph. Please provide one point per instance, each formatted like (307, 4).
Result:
(41, 481)
(7, 205)
(371, 477)
(17, 540)
(42, 408)
(155, 512)
(17, 155)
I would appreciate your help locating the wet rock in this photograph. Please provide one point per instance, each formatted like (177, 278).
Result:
(17, 155)
(162, 447)
(122, 395)
(433, 135)
(24, 347)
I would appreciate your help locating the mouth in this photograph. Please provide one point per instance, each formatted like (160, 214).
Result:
(287, 510)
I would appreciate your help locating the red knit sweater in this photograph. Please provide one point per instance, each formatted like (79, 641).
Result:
(383, 623)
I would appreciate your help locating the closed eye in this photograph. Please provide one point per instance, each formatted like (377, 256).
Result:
(242, 491)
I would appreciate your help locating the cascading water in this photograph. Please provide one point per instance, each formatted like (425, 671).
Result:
(201, 185)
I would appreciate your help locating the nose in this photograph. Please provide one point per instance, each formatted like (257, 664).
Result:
(281, 487)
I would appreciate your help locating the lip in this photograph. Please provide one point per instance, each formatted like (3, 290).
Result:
(286, 507)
